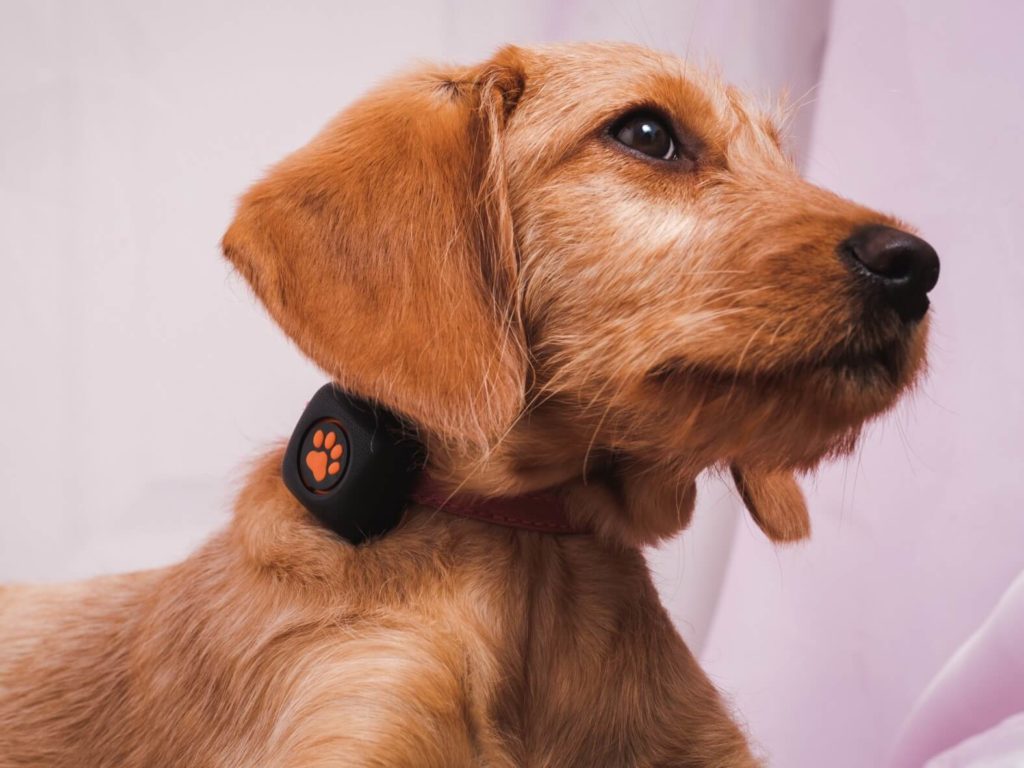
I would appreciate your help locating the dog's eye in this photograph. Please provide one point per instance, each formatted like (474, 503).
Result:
(646, 133)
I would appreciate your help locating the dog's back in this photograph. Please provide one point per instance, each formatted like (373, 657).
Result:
(190, 666)
(63, 663)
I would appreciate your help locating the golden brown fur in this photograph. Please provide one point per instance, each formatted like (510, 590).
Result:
(468, 247)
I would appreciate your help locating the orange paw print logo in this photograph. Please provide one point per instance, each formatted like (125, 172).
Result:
(317, 460)
(323, 455)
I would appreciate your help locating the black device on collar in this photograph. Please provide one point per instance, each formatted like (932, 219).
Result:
(349, 463)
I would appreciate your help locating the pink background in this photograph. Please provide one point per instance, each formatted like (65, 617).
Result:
(825, 647)
(129, 129)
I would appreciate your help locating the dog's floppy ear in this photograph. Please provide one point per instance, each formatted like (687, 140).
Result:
(385, 249)
(775, 501)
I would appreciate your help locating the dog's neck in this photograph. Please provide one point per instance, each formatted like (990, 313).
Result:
(622, 499)
(352, 464)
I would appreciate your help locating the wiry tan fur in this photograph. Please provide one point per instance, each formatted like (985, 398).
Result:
(468, 247)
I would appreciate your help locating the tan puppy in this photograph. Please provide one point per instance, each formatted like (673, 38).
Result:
(584, 267)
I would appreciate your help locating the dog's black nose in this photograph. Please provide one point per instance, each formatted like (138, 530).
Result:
(901, 268)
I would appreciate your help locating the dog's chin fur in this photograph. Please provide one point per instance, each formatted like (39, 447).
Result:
(471, 248)
(792, 416)
(631, 467)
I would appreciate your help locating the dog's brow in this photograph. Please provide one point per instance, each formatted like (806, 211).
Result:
(755, 121)
(695, 107)
(739, 110)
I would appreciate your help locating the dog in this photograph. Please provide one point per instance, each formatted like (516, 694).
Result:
(586, 270)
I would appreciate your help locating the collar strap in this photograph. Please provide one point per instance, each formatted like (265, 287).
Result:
(542, 511)
(354, 467)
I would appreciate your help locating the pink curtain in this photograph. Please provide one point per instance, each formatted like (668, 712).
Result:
(826, 646)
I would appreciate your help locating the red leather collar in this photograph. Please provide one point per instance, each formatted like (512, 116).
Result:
(542, 511)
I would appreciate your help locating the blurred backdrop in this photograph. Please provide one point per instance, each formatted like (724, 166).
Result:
(139, 375)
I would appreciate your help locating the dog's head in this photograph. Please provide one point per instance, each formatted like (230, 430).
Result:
(590, 260)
